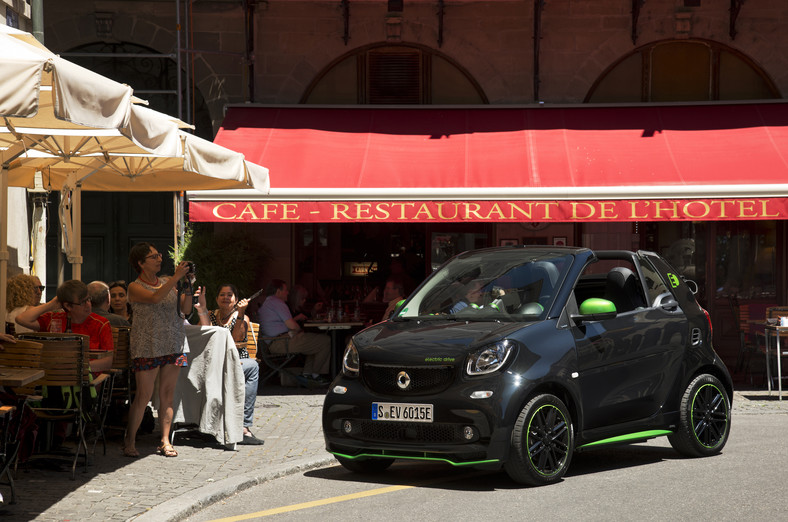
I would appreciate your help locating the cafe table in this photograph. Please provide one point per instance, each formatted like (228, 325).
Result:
(775, 331)
(15, 376)
(334, 330)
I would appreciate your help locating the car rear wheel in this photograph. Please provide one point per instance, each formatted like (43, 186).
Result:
(704, 418)
(542, 442)
(365, 464)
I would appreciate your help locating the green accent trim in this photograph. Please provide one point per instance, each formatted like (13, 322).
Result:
(640, 435)
(595, 305)
(674, 280)
(425, 457)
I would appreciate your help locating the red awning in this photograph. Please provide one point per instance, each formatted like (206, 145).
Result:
(508, 154)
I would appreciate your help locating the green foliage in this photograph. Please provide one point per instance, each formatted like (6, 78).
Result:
(223, 258)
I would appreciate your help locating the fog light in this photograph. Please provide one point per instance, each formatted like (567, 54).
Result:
(341, 390)
(347, 426)
(484, 394)
(467, 432)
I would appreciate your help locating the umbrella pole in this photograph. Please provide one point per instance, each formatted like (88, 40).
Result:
(76, 221)
(3, 243)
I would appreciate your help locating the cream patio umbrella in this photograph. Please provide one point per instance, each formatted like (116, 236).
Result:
(82, 131)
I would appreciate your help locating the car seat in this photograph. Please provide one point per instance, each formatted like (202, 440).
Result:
(621, 287)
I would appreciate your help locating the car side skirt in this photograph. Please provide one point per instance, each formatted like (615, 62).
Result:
(628, 438)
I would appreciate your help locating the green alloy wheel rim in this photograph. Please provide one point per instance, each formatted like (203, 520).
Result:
(709, 416)
(548, 440)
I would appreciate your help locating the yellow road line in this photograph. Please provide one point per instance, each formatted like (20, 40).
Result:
(344, 498)
(315, 503)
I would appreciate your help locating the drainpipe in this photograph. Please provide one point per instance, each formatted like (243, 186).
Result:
(39, 197)
(37, 17)
(249, 51)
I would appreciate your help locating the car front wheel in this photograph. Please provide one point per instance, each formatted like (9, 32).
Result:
(542, 442)
(704, 418)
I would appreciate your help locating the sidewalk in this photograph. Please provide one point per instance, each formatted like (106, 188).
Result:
(153, 488)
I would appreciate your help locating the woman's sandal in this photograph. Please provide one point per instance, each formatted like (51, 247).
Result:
(166, 450)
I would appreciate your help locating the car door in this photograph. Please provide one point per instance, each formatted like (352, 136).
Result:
(628, 364)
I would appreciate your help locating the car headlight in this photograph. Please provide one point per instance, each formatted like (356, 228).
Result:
(490, 358)
(350, 360)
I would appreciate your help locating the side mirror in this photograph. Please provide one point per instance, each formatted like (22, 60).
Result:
(595, 309)
(669, 304)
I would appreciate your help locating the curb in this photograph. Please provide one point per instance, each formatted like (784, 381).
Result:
(193, 501)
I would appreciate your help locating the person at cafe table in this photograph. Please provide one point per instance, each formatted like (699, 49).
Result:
(71, 311)
(277, 322)
(230, 315)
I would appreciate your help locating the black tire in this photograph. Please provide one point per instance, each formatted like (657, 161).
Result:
(366, 464)
(705, 418)
(542, 444)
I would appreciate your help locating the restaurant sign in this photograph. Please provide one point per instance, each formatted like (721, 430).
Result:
(488, 211)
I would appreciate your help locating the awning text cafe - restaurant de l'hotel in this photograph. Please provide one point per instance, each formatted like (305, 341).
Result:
(705, 185)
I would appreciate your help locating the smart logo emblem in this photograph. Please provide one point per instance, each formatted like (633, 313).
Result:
(403, 380)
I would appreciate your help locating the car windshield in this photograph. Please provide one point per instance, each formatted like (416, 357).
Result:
(507, 284)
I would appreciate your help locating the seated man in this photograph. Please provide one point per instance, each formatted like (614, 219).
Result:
(277, 321)
(393, 295)
(76, 316)
(99, 301)
(473, 296)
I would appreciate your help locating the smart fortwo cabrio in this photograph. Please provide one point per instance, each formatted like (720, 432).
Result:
(517, 357)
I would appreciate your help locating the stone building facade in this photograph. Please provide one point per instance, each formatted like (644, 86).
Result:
(501, 52)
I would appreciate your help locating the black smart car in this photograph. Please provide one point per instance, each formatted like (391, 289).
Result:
(520, 356)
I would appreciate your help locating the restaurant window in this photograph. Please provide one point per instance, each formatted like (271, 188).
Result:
(746, 261)
(404, 74)
(686, 70)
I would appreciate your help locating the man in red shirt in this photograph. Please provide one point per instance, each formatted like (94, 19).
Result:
(70, 311)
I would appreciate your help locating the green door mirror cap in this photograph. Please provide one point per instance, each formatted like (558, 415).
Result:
(595, 306)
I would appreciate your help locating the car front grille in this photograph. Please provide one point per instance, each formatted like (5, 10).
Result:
(423, 379)
(437, 433)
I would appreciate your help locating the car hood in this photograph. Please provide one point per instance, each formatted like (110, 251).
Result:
(414, 342)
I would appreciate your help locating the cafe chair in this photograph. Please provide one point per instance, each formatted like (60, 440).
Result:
(276, 363)
(22, 354)
(747, 344)
(251, 340)
(120, 398)
(65, 359)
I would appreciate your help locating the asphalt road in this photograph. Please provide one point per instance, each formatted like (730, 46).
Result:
(647, 481)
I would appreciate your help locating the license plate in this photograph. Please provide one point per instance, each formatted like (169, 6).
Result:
(393, 411)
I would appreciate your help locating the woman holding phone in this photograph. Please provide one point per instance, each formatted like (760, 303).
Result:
(156, 342)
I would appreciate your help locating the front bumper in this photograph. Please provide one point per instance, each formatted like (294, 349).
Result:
(464, 432)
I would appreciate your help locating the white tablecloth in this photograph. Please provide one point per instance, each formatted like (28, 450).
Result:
(210, 392)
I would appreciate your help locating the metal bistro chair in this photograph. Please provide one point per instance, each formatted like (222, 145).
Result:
(22, 354)
(774, 313)
(275, 362)
(65, 358)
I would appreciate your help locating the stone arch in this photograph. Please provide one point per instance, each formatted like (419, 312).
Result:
(719, 83)
(78, 31)
(470, 82)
